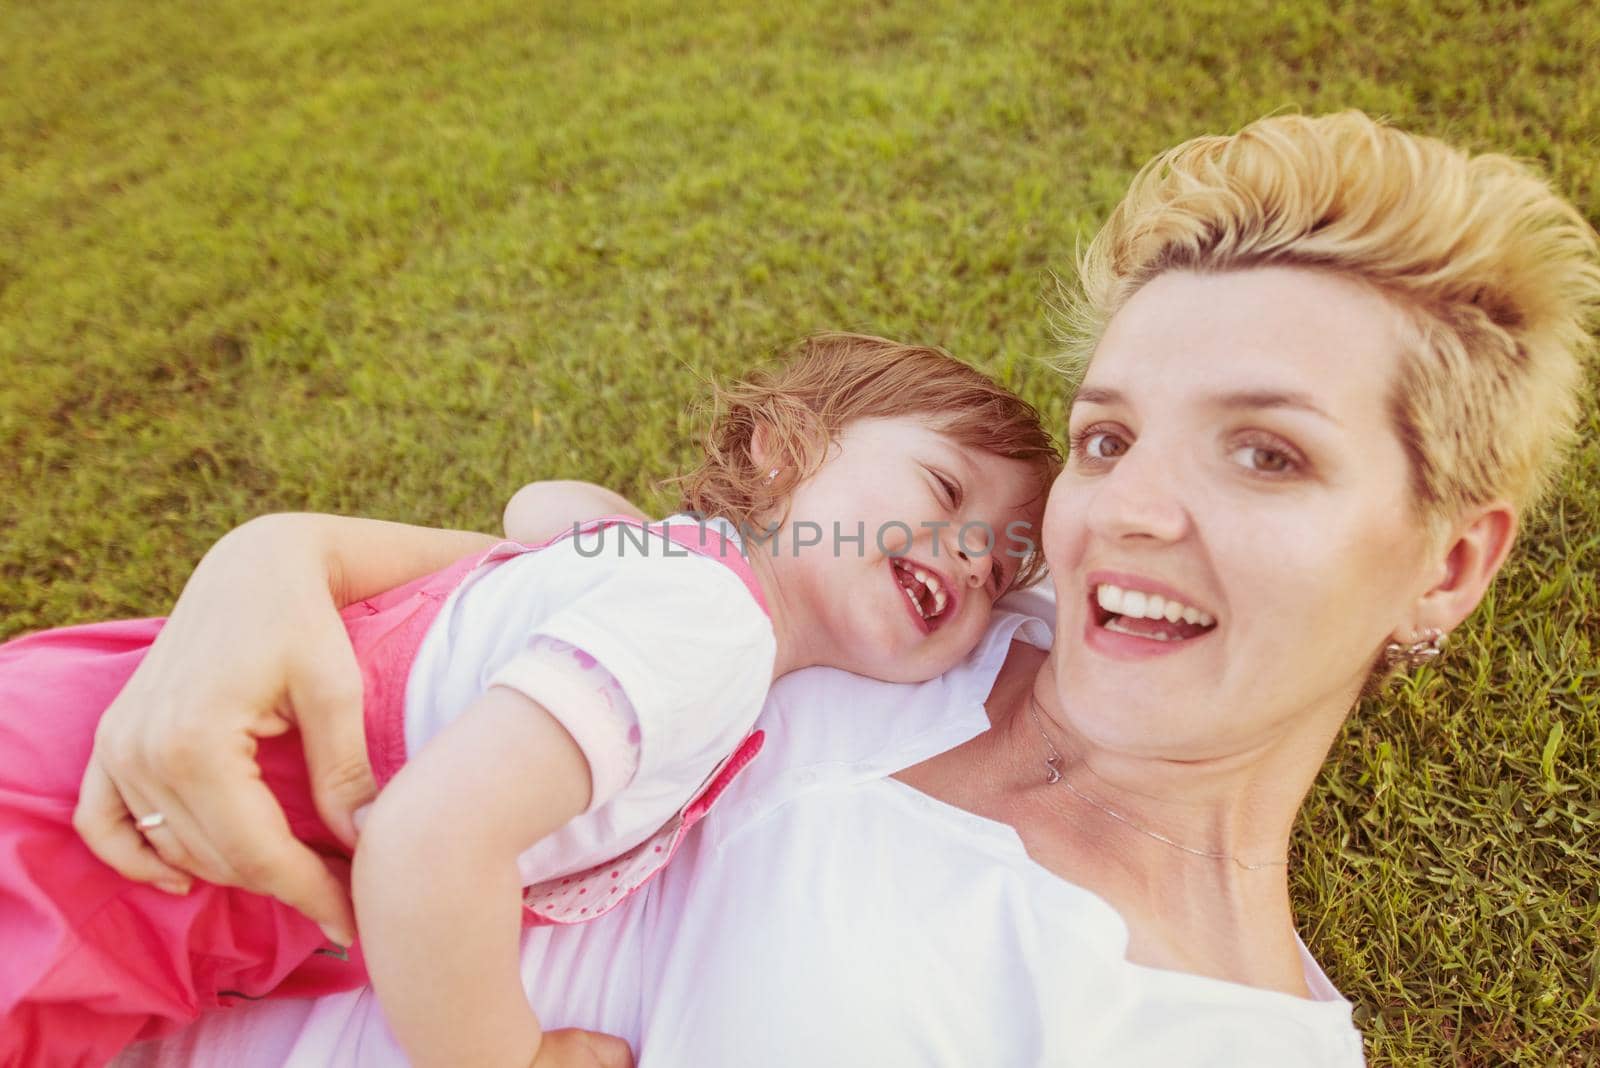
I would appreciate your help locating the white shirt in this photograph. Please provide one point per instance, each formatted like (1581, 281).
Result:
(680, 634)
(825, 913)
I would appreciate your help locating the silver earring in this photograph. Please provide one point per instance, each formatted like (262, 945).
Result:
(772, 476)
(1409, 657)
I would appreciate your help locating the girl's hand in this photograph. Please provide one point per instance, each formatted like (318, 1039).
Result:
(572, 1048)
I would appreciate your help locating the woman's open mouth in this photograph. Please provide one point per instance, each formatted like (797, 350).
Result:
(927, 593)
(1147, 615)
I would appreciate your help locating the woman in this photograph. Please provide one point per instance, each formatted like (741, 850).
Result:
(1331, 366)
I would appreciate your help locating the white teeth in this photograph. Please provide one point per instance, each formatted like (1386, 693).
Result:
(1120, 627)
(1136, 604)
(931, 584)
(1110, 598)
(926, 583)
(912, 597)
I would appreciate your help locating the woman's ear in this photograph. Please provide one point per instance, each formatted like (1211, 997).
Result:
(1476, 548)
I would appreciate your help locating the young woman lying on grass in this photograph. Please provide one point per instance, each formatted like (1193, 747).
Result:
(1326, 367)
(553, 718)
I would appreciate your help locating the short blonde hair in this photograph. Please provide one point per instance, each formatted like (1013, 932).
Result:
(830, 380)
(1496, 270)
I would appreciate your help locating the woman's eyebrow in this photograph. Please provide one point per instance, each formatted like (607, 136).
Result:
(1253, 399)
(1270, 398)
(1097, 395)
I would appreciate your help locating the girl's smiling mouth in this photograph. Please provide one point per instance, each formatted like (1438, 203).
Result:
(928, 593)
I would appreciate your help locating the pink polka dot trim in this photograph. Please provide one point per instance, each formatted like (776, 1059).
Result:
(565, 901)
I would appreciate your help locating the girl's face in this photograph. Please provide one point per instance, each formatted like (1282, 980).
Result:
(1234, 472)
(894, 552)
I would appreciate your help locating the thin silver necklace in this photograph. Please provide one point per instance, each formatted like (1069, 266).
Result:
(1052, 764)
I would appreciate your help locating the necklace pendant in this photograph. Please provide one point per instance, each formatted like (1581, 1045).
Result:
(1053, 773)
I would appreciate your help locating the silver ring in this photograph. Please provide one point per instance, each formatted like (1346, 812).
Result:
(150, 822)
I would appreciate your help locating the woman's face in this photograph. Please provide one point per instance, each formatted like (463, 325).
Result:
(1232, 454)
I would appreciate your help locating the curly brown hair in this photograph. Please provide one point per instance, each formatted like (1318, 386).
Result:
(828, 380)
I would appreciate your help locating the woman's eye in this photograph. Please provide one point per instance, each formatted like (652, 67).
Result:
(1093, 445)
(1264, 459)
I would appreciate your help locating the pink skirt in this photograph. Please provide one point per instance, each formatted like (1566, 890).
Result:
(92, 961)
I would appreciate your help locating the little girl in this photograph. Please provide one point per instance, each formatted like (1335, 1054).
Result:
(545, 723)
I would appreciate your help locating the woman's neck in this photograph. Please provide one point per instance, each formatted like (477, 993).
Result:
(1189, 852)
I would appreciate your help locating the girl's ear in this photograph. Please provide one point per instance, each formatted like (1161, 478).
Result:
(1472, 556)
(761, 445)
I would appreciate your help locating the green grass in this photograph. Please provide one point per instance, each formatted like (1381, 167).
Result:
(394, 259)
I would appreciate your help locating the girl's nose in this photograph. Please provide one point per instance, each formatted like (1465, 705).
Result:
(974, 568)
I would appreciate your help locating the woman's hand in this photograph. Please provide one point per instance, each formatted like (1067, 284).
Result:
(254, 647)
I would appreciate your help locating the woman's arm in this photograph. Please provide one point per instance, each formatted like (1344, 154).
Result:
(437, 892)
(254, 647)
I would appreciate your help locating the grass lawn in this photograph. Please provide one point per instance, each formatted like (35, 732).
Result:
(397, 259)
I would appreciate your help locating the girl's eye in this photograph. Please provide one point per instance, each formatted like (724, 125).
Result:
(1266, 459)
(950, 488)
(1095, 445)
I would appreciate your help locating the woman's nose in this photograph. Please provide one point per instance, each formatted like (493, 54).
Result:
(1141, 497)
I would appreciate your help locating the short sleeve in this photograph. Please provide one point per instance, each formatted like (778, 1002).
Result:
(587, 701)
(685, 642)
(689, 649)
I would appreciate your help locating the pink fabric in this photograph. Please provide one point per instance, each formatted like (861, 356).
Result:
(588, 701)
(92, 961)
(581, 897)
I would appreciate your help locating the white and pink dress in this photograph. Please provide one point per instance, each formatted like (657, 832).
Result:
(650, 643)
